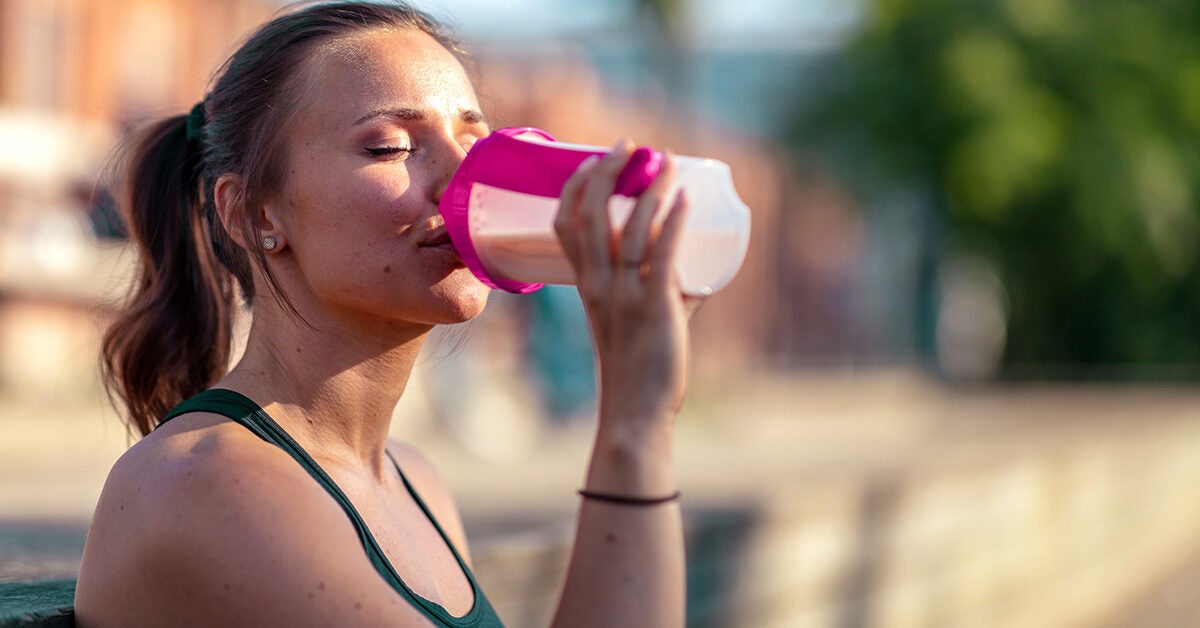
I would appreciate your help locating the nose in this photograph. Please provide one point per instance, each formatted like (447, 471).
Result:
(449, 156)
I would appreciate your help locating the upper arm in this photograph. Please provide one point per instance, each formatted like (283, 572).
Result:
(201, 541)
(434, 492)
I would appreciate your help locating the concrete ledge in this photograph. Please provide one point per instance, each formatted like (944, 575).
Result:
(1060, 527)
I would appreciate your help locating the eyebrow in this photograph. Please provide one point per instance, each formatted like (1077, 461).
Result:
(470, 116)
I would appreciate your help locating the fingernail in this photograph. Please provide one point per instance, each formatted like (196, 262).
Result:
(589, 162)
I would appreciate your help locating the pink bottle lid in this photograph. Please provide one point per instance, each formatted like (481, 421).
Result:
(501, 160)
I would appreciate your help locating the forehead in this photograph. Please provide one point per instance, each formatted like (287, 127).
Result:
(383, 68)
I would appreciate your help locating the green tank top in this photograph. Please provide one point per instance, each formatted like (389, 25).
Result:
(245, 412)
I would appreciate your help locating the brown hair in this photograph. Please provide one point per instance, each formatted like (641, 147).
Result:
(172, 338)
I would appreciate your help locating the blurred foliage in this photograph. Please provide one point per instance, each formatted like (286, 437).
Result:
(1059, 139)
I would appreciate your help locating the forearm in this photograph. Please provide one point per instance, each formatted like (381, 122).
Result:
(627, 563)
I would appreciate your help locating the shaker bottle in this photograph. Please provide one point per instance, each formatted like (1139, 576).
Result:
(500, 205)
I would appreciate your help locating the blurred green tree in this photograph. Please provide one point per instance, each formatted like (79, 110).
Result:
(1058, 139)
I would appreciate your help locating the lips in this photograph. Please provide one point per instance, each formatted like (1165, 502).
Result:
(438, 239)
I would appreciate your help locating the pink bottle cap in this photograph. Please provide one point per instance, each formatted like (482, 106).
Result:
(501, 160)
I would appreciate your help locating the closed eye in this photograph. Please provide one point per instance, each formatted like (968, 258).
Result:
(383, 151)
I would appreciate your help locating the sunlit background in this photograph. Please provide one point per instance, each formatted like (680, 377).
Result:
(954, 383)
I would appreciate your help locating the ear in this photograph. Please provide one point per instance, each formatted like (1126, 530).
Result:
(230, 201)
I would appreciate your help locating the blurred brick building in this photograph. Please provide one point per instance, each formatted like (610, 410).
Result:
(106, 59)
(73, 73)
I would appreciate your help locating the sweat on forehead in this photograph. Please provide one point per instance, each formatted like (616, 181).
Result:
(350, 48)
(372, 55)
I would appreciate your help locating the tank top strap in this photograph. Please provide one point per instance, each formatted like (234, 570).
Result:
(216, 401)
(245, 412)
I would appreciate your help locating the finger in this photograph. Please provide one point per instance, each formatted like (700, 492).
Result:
(595, 229)
(666, 248)
(631, 252)
(566, 221)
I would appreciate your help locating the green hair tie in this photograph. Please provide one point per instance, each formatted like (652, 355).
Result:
(195, 123)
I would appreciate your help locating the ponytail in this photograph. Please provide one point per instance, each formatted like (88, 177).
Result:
(171, 340)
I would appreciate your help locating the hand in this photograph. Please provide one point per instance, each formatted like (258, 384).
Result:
(629, 288)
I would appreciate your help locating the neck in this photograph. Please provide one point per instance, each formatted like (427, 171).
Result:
(332, 386)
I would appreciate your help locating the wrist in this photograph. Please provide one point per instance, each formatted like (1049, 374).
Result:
(640, 391)
(633, 458)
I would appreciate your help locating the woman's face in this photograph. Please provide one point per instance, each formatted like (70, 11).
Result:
(385, 119)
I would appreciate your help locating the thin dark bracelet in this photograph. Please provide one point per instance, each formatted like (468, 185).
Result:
(627, 500)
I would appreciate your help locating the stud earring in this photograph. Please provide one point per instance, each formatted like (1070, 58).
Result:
(269, 243)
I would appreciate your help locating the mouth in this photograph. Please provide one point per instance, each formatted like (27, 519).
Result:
(439, 239)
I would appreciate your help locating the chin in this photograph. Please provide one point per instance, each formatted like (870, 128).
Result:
(461, 297)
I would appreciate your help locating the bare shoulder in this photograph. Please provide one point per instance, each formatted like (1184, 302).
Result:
(429, 484)
(225, 529)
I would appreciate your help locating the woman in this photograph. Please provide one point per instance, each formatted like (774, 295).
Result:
(311, 175)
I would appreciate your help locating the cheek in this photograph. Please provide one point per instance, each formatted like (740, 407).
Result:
(402, 210)
(382, 196)
(363, 213)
